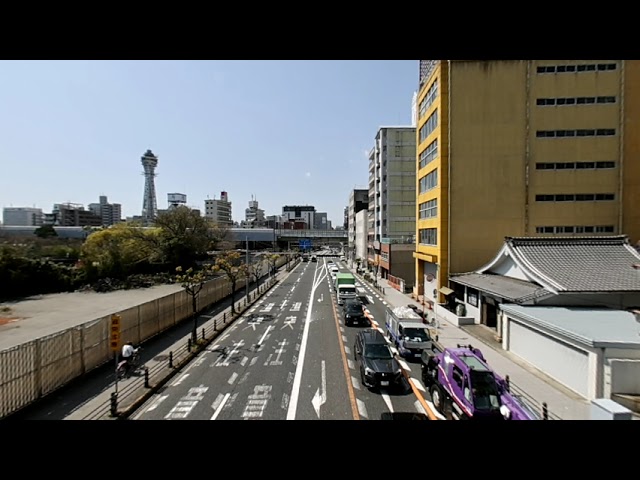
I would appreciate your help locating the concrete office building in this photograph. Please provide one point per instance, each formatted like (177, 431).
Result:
(392, 190)
(515, 148)
(110, 213)
(22, 216)
(358, 201)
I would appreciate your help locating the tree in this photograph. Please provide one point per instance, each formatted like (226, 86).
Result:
(186, 236)
(118, 251)
(45, 231)
(254, 270)
(230, 264)
(271, 258)
(192, 281)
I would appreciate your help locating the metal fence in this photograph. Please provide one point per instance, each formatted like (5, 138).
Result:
(34, 369)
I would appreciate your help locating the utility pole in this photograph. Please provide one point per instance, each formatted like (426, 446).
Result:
(246, 287)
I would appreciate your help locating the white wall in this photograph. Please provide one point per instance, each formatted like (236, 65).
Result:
(361, 234)
(621, 371)
(471, 310)
(508, 268)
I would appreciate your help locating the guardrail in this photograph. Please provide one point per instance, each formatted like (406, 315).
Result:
(123, 403)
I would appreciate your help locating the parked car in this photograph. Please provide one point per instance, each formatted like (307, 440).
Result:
(353, 314)
(378, 366)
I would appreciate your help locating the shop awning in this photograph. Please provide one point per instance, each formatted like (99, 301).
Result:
(446, 290)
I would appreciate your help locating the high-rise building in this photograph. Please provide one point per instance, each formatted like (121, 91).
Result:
(358, 201)
(297, 214)
(110, 213)
(149, 203)
(219, 210)
(320, 221)
(253, 215)
(522, 148)
(73, 215)
(22, 216)
(392, 189)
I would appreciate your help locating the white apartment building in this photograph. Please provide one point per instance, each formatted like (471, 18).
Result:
(358, 201)
(22, 216)
(360, 237)
(219, 210)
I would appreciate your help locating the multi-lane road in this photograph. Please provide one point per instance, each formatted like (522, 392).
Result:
(289, 358)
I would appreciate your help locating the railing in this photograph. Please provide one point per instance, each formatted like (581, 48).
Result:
(127, 399)
(34, 369)
(538, 409)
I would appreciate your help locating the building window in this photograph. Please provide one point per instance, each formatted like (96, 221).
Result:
(429, 236)
(546, 102)
(578, 197)
(429, 154)
(429, 181)
(429, 98)
(472, 297)
(577, 230)
(599, 132)
(429, 126)
(589, 67)
(429, 209)
(574, 165)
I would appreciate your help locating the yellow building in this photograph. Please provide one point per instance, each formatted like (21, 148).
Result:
(521, 148)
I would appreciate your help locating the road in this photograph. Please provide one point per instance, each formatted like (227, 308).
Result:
(289, 358)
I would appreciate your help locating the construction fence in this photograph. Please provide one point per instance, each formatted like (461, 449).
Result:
(32, 370)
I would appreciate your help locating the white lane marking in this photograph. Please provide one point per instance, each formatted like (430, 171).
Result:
(356, 383)
(233, 378)
(387, 400)
(180, 380)
(157, 403)
(362, 409)
(220, 406)
(265, 334)
(418, 384)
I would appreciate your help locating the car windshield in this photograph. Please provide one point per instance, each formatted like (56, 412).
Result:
(485, 390)
(347, 290)
(378, 352)
(416, 334)
(354, 308)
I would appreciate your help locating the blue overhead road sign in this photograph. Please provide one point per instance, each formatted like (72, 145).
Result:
(305, 244)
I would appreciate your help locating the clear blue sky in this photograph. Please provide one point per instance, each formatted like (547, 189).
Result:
(288, 132)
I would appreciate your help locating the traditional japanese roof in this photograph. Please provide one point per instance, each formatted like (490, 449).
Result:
(572, 264)
(508, 288)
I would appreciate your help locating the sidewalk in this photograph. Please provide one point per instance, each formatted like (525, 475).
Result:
(560, 401)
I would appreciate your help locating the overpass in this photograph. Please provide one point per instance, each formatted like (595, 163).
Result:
(278, 235)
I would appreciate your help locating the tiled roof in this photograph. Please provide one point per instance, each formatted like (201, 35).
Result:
(506, 287)
(590, 326)
(580, 264)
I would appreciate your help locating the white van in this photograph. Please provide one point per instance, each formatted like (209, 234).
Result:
(334, 271)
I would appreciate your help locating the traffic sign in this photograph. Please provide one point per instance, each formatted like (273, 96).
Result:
(305, 244)
(114, 339)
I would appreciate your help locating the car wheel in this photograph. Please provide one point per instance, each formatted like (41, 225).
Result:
(438, 399)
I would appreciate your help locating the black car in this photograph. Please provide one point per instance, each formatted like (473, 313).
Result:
(378, 366)
(353, 314)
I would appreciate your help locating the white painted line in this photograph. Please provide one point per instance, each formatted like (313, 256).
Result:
(345, 339)
(356, 383)
(180, 380)
(418, 384)
(404, 364)
(244, 361)
(217, 412)
(347, 350)
(351, 364)
(419, 407)
(157, 403)
(387, 400)
(233, 378)
(265, 334)
(362, 409)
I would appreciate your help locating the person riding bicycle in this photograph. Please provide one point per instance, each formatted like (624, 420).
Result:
(128, 351)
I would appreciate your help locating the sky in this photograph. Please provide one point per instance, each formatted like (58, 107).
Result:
(288, 132)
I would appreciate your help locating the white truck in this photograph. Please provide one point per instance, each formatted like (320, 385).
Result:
(407, 332)
(345, 287)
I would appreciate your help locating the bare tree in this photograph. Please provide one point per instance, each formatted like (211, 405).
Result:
(229, 264)
(192, 281)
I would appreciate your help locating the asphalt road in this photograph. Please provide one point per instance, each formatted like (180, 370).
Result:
(289, 358)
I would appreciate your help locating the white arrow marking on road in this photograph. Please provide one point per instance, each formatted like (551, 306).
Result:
(320, 397)
(321, 297)
(370, 298)
(157, 403)
(180, 380)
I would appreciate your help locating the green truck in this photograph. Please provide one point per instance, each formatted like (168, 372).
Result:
(345, 287)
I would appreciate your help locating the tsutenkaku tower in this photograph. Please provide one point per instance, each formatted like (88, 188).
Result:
(149, 203)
